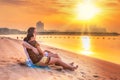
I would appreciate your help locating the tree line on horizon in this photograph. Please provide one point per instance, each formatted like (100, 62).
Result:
(10, 31)
(16, 31)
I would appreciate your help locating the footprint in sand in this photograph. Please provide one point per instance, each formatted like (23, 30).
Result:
(4, 75)
(79, 78)
(114, 78)
(96, 76)
(51, 73)
(82, 72)
(70, 76)
(3, 61)
(16, 59)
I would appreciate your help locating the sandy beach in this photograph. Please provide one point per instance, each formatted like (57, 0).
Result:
(12, 54)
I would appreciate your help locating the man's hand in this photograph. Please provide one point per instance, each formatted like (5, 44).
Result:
(27, 45)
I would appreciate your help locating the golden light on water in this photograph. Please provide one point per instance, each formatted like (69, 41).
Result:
(86, 45)
(85, 42)
(87, 10)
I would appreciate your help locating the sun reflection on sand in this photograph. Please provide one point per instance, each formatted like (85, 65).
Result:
(86, 45)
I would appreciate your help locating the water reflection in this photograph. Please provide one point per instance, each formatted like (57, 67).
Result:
(101, 47)
(86, 45)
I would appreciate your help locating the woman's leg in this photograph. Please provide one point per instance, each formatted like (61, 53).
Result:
(61, 63)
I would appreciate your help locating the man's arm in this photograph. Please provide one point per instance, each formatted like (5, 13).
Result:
(27, 45)
(40, 51)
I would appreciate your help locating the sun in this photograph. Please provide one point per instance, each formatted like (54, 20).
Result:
(86, 11)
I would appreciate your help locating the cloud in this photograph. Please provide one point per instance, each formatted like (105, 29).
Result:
(50, 7)
(52, 12)
(46, 7)
(32, 7)
(110, 2)
(14, 2)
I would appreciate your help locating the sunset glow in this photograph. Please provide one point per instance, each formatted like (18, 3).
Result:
(86, 11)
(66, 14)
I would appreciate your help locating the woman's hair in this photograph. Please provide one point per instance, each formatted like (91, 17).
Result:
(30, 33)
(31, 30)
(28, 37)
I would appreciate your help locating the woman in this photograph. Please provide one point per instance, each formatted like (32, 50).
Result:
(40, 58)
(32, 30)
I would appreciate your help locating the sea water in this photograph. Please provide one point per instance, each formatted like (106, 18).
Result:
(101, 47)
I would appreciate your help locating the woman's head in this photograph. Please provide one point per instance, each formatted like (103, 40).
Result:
(30, 37)
(31, 30)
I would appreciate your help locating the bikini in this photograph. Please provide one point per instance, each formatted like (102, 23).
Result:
(44, 60)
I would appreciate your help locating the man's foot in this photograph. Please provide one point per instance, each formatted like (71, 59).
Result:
(74, 68)
(72, 63)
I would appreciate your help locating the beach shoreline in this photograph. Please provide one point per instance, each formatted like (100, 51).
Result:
(12, 54)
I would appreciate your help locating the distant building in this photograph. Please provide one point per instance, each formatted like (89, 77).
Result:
(40, 26)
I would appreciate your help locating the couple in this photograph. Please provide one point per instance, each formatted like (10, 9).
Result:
(39, 57)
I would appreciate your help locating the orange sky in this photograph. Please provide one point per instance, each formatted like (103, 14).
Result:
(22, 14)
